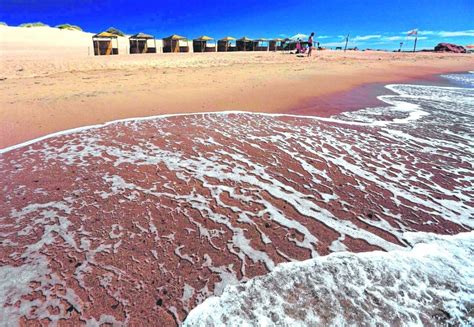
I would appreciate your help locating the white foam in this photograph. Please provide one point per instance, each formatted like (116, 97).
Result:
(432, 283)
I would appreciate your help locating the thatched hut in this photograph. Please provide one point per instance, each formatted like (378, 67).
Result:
(103, 45)
(225, 44)
(245, 44)
(139, 43)
(172, 44)
(276, 44)
(200, 44)
(261, 45)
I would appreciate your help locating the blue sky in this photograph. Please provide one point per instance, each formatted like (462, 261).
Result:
(371, 23)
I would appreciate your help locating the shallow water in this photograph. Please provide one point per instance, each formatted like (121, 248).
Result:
(142, 220)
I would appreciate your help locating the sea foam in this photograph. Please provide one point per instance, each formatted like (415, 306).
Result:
(433, 283)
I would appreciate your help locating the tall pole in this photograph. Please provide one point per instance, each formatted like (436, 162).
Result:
(347, 41)
(416, 40)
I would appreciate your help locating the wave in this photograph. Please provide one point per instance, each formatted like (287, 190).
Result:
(433, 283)
(465, 79)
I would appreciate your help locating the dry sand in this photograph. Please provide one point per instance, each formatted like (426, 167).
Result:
(49, 83)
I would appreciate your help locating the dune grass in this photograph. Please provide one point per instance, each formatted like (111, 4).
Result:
(37, 24)
(68, 27)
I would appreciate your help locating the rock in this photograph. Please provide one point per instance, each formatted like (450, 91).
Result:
(449, 47)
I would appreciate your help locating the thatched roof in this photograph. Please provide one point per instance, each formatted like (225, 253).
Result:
(245, 39)
(175, 37)
(228, 38)
(115, 31)
(106, 35)
(142, 36)
(204, 38)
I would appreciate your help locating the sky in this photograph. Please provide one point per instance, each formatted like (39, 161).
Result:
(371, 23)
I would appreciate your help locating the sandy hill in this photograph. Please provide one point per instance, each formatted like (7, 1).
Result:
(46, 40)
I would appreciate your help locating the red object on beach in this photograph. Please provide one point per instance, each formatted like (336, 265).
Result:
(449, 47)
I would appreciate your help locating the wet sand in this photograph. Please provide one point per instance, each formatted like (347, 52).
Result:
(138, 222)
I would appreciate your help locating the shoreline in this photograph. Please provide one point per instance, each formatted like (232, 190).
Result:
(376, 99)
(105, 90)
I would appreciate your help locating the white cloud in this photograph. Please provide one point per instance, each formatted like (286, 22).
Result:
(394, 38)
(402, 38)
(366, 37)
(456, 33)
(425, 32)
(339, 44)
(323, 37)
(446, 33)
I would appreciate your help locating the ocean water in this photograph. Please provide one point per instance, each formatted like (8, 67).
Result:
(165, 212)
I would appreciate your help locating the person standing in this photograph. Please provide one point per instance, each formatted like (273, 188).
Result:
(310, 44)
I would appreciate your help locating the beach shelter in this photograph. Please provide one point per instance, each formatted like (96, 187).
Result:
(103, 44)
(172, 44)
(470, 48)
(261, 44)
(225, 44)
(275, 44)
(245, 44)
(139, 43)
(200, 44)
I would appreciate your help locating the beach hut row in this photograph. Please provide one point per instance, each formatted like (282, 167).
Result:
(106, 43)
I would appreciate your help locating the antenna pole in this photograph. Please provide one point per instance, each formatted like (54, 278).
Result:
(347, 41)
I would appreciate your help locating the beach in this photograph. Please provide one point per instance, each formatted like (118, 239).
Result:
(46, 88)
(345, 178)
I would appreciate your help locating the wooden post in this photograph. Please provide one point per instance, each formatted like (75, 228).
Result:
(416, 40)
(347, 41)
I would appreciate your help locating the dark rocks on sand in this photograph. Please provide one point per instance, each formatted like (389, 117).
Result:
(449, 47)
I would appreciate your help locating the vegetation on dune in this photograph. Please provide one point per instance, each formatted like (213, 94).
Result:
(37, 24)
(3, 24)
(69, 27)
(115, 31)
